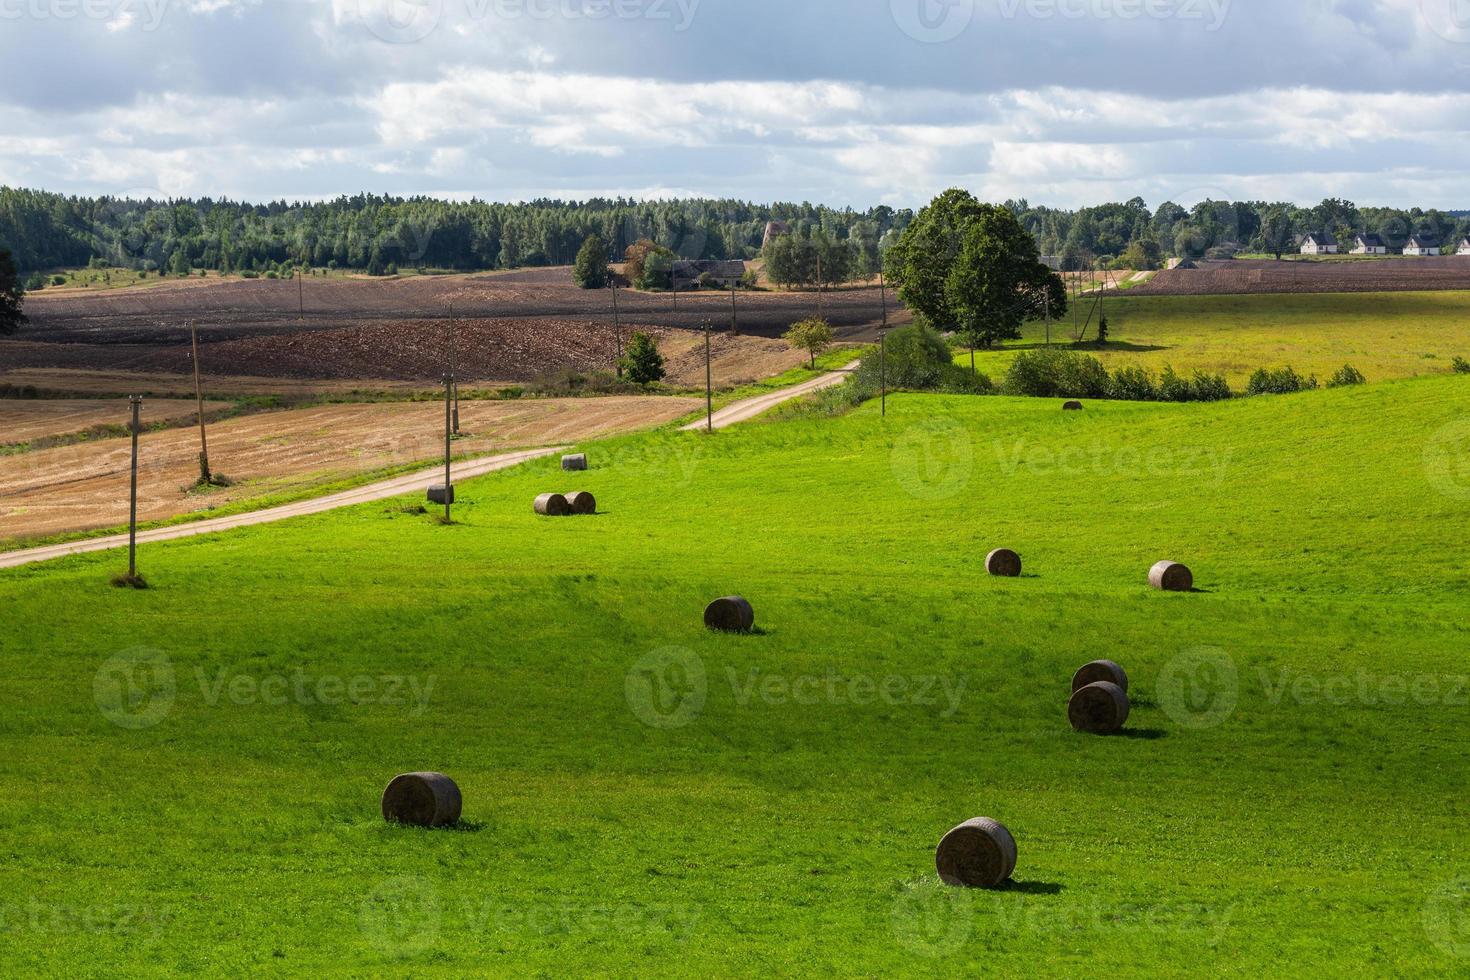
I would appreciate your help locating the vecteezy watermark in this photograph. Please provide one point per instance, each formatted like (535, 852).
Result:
(933, 460)
(146, 15)
(932, 21)
(1363, 688)
(410, 21)
(1450, 19)
(1210, 13)
(666, 688)
(405, 917)
(1199, 688)
(1103, 460)
(57, 919)
(1447, 459)
(1447, 918)
(669, 687)
(138, 688)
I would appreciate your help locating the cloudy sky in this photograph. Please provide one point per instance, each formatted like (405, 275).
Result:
(845, 102)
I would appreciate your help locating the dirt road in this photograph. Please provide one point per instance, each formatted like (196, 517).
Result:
(749, 408)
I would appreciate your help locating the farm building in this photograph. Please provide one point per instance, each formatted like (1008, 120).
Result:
(1369, 245)
(1319, 243)
(1464, 248)
(1421, 245)
(693, 273)
(774, 230)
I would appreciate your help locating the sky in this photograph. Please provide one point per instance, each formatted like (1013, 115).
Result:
(841, 102)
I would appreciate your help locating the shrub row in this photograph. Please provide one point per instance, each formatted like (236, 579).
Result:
(1060, 373)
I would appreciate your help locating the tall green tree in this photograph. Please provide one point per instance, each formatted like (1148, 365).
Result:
(1276, 232)
(11, 295)
(920, 261)
(642, 363)
(998, 282)
(590, 271)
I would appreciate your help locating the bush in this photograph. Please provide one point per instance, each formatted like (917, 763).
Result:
(249, 274)
(642, 363)
(917, 358)
(1132, 385)
(58, 280)
(1460, 366)
(1057, 373)
(1346, 376)
(1210, 387)
(1283, 382)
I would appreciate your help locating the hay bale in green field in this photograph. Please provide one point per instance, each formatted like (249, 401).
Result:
(422, 799)
(1100, 709)
(1170, 576)
(731, 614)
(582, 502)
(979, 853)
(1004, 563)
(553, 505)
(1099, 670)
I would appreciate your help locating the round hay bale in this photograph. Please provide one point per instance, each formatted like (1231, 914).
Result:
(582, 502)
(979, 853)
(1100, 708)
(1099, 670)
(1171, 576)
(552, 505)
(1004, 563)
(732, 614)
(422, 799)
(1072, 407)
(574, 462)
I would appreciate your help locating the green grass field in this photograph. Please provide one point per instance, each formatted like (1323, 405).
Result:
(193, 771)
(1384, 335)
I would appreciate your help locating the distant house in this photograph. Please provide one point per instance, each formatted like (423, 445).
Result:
(774, 230)
(1421, 245)
(1464, 246)
(1319, 243)
(693, 273)
(1369, 245)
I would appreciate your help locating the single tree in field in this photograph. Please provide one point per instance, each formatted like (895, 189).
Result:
(812, 336)
(590, 272)
(11, 293)
(1276, 233)
(642, 362)
(997, 282)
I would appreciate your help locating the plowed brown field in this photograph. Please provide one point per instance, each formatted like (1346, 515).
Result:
(1242, 276)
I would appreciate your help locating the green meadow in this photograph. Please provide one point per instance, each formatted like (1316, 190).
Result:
(1385, 335)
(193, 771)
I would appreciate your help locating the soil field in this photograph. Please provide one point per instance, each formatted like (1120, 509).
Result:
(513, 327)
(85, 486)
(1242, 276)
(25, 420)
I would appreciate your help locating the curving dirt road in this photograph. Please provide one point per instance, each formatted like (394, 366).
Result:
(749, 408)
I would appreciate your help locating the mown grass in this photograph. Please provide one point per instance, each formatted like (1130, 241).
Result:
(1282, 824)
(1384, 335)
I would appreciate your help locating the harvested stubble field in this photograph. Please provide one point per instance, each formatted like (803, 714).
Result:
(642, 796)
(26, 420)
(84, 486)
(1236, 276)
(513, 327)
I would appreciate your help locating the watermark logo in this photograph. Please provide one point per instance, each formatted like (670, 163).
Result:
(1450, 19)
(933, 460)
(1211, 13)
(932, 920)
(135, 689)
(400, 21)
(933, 21)
(401, 918)
(1199, 688)
(1447, 918)
(1103, 460)
(1447, 460)
(667, 688)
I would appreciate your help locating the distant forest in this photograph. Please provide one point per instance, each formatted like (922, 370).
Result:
(384, 234)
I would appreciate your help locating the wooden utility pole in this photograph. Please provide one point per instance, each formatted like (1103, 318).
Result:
(734, 317)
(883, 297)
(883, 369)
(617, 331)
(709, 383)
(448, 445)
(300, 295)
(454, 365)
(1046, 306)
(135, 402)
(204, 475)
(819, 285)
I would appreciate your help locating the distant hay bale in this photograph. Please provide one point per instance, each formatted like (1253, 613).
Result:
(732, 614)
(575, 462)
(1072, 407)
(437, 494)
(979, 853)
(1171, 577)
(552, 505)
(582, 502)
(1099, 670)
(1100, 708)
(422, 799)
(1004, 563)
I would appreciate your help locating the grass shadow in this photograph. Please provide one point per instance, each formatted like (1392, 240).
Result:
(1032, 887)
(1143, 734)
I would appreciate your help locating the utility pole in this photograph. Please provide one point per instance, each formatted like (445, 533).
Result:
(1046, 305)
(448, 446)
(709, 385)
(819, 285)
(300, 295)
(883, 369)
(136, 403)
(454, 365)
(883, 297)
(734, 317)
(204, 474)
(617, 331)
